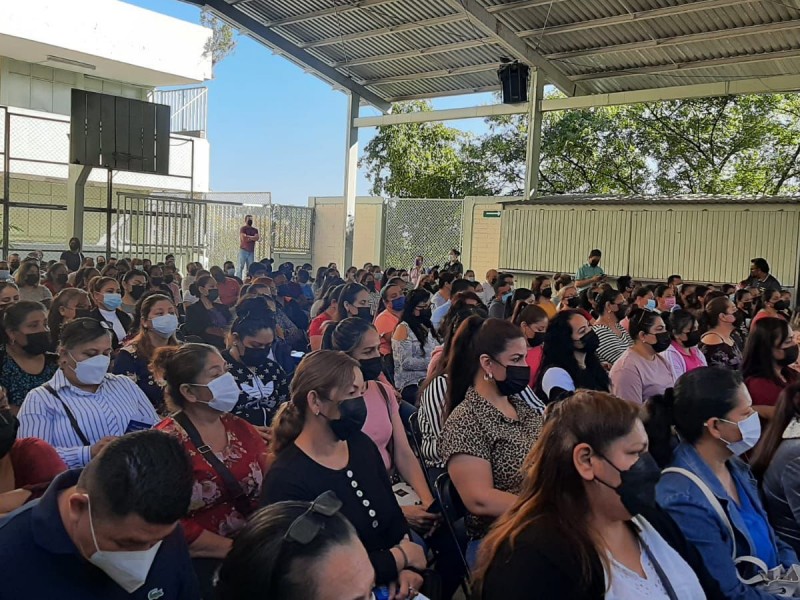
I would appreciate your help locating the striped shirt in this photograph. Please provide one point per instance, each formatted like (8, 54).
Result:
(431, 417)
(612, 346)
(108, 411)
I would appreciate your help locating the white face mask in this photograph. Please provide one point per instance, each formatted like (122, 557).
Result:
(128, 569)
(92, 370)
(224, 392)
(165, 325)
(750, 428)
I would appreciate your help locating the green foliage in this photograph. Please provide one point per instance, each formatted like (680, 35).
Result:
(423, 160)
(731, 145)
(222, 42)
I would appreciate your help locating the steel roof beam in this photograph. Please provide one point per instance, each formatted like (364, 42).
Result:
(506, 37)
(417, 52)
(328, 12)
(447, 94)
(689, 66)
(434, 74)
(363, 35)
(678, 40)
(520, 4)
(699, 5)
(272, 39)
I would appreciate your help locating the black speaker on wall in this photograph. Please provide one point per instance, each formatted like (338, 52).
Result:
(514, 80)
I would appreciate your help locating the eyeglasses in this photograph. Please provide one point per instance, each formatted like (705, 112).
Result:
(305, 528)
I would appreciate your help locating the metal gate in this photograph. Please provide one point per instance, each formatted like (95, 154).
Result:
(421, 226)
(292, 229)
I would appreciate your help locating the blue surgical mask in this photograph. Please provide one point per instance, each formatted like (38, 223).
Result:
(112, 301)
(750, 429)
(506, 296)
(399, 304)
(165, 325)
(651, 304)
(5, 274)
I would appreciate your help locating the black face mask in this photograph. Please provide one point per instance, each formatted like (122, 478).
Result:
(32, 279)
(74, 247)
(37, 343)
(371, 368)
(621, 312)
(137, 291)
(662, 341)
(61, 279)
(213, 294)
(254, 357)
(517, 378)
(692, 339)
(781, 305)
(370, 286)
(249, 222)
(789, 356)
(8, 432)
(574, 302)
(536, 340)
(365, 313)
(637, 488)
(547, 293)
(590, 343)
(156, 280)
(352, 416)
(425, 315)
(169, 279)
(594, 263)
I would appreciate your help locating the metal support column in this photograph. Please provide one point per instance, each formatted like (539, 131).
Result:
(76, 193)
(6, 183)
(533, 150)
(350, 179)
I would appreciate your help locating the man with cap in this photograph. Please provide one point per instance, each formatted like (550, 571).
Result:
(591, 272)
(107, 532)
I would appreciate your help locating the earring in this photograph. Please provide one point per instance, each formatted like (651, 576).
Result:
(488, 376)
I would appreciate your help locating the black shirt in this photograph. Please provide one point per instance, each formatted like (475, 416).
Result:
(42, 561)
(261, 392)
(73, 260)
(770, 283)
(362, 486)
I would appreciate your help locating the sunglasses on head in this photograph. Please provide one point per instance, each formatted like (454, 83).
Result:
(305, 528)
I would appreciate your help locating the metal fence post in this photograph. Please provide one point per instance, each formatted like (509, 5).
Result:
(6, 183)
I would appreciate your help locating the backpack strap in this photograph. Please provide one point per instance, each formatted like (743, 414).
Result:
(72, 420)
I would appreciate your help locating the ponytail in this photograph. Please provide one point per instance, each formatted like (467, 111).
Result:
(658, 417)
(286, 426)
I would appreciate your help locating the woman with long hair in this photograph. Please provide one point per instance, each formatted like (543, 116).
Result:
(84, 275)
(642, 371)
(155, 324)
(105, 296)
(614, 339)
(776, 463)
(488, 426)
(327, 312)
(683, 355)
(770, 351)
(359, 340)
(579, 528)
(207, 318)
(413, 343)
(29, 282)
(710, 409)
(319, 446)
(769, 304)
(532, 320)
(353, 301)
(56, 278)
(718, 343)
(9, 295)
(543, 292)
(68, 305)
(569, 358)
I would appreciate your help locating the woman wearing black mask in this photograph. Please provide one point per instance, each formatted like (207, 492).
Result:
(642, 371)
(359, 340)
(569, 358)
(207, 318)
(614, 340)
(263, 383)
(56, 278)
(354, 302)
(320, 447)
(719, 343)
(26, 362)
(134, 285)
(766, 367)
(488, 427)
(770, 304)
(413, 343)
(683, 354)
(367, 279)
(27, 278)
(532, 321)
(743, 300)
(585, 525)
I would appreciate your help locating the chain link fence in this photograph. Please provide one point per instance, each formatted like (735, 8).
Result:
(427, 227)
(292, 229)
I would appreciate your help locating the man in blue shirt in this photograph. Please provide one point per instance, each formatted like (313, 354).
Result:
(107, 532)
(459, 285)
(590, 272)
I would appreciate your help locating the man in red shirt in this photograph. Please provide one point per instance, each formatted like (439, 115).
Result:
(228, 287)
(248, 236)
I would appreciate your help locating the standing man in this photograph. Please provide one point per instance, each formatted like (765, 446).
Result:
(590, 272)
(760, 277)
(248, 236)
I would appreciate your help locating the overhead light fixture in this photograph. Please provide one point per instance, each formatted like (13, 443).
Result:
(70, 62)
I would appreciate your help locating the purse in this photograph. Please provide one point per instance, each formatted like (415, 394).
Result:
(779, 581)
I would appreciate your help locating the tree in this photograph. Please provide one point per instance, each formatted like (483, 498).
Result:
(222, 42)
(423, 160)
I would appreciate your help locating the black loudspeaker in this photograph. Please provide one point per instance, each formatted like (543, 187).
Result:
(514, 79)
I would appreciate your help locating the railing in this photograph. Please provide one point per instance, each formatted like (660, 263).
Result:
(189, 109)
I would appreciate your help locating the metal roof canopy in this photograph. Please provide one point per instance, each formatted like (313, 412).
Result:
(597, 52)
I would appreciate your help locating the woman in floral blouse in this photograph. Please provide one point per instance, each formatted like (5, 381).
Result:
(199, 386)
(155, 321)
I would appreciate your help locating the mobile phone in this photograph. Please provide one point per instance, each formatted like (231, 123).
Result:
(435, 508)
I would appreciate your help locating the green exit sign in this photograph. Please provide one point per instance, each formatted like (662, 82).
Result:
(491, 214)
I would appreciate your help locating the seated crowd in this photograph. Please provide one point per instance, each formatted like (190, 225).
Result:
(394, 433)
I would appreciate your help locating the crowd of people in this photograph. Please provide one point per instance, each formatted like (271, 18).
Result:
(279, 432)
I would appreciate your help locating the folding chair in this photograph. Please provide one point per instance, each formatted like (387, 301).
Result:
(453, 513)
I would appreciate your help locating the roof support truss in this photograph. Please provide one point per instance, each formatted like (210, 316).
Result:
(435, 74)
(363, 35)
(368, 60)
(268, 37)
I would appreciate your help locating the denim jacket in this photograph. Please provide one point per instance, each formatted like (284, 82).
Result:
(687, 505)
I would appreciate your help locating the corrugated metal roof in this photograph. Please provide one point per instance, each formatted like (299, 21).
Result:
(436, 47)
(605, 200)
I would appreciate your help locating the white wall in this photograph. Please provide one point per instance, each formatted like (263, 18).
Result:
(123, 42)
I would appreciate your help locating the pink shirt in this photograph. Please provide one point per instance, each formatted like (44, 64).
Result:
(378, 425)
(636, 378)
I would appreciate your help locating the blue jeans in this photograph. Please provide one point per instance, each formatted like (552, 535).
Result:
(245, 260)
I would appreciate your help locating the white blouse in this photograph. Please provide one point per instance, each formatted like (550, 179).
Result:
(628, 585)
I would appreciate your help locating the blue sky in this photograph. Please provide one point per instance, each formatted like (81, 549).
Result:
(274, 128)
